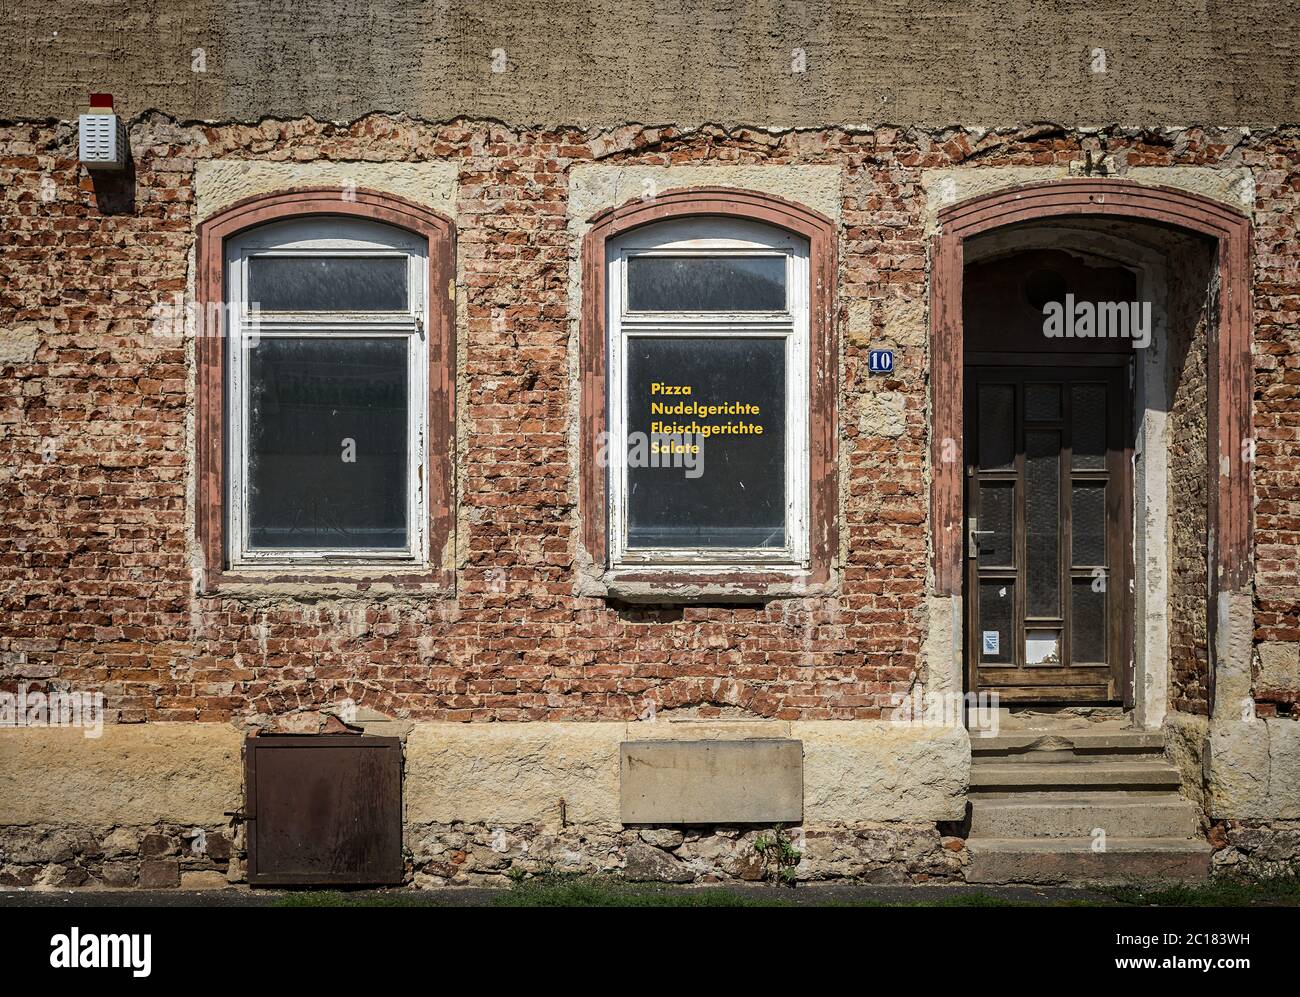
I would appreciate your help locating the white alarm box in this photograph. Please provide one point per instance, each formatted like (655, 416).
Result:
(103, 141)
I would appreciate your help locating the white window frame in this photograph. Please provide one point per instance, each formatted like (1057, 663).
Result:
(712, 236)
(325, 236)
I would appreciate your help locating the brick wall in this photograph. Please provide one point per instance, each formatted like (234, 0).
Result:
(96, 546)
(1277, 405)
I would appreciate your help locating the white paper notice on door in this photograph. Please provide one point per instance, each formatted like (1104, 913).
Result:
(992, 642)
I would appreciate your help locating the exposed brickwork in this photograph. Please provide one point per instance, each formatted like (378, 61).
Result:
(1277, 400)
(96, 543)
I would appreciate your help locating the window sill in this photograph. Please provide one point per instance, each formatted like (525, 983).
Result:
(674, 585)
(289, 581)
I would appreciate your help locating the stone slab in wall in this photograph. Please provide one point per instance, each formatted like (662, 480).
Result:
(751, 781)
(1254, 769)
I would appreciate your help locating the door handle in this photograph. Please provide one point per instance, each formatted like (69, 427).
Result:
(973, 533)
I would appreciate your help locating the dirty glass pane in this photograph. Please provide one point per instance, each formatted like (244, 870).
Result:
(328, 283)
(1042, 402)
(1042, 647)
(996, 515)
(1088, 438)
(997, 600)
(1088, 622)
(706, 283)
(327, 443)
(729, 491)
(1088, 523)
(997, 426)
(1042, 523)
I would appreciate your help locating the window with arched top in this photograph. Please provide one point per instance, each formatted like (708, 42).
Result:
(708, 432)
(325, 429)
(708, 394)
(327, 392)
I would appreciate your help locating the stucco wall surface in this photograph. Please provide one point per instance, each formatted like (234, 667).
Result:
(603, 62)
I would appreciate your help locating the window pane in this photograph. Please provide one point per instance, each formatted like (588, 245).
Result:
(1089, 427)
(706, 283)
(997, 516)
(1042, 402)
(1042, 523)
(997, 600)
(997, 426)
(1042, 647)
(1089, 622)
(731, 493)
(327, 443)
(1088, 524)
(328, 283)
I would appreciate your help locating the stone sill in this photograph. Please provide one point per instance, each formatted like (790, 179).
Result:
(299, 583)
(676, 586)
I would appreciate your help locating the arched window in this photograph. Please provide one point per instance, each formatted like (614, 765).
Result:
(326, 378)
(708, 343)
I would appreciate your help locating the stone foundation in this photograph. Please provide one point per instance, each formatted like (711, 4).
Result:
(484, 855)
(158, 856)
(1256, 848)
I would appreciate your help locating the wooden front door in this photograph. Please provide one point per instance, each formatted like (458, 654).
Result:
(1048, 503)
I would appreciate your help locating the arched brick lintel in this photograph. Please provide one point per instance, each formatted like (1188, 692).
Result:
(440, 328)
(735, 203)
(1229, 361)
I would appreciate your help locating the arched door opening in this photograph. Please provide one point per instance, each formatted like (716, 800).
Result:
(1091, 396)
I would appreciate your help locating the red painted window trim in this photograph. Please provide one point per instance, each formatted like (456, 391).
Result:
(1229, 361)
(210, 360)
(721, 202)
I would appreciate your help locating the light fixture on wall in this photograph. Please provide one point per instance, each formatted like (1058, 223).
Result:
(102, 144)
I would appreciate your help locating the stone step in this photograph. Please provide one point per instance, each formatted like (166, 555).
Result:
(1077, 815)
(1078, 775)
(1072, 860)
(1061, 745)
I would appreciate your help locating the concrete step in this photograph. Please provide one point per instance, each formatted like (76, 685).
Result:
(1149, 776)
(1064, 745)
(1077, 815)
(1072, 860)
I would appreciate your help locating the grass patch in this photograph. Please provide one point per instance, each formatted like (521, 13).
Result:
(608, 891)
(1280, 891)
(339, 898)
(602, 891)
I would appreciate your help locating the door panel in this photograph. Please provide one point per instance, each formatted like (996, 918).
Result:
(1047, 502)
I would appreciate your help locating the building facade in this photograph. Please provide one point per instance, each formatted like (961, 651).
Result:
(661, 442)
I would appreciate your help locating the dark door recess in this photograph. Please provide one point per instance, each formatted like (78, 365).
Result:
(324, 810)
(1048, 485)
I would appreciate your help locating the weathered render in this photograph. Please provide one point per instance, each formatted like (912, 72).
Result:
(517, 682)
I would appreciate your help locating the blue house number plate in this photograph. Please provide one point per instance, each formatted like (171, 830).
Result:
(880, 361)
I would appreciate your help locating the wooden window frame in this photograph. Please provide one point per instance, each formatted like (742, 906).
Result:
(722, 203)
(213, 424)
(711, 237)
